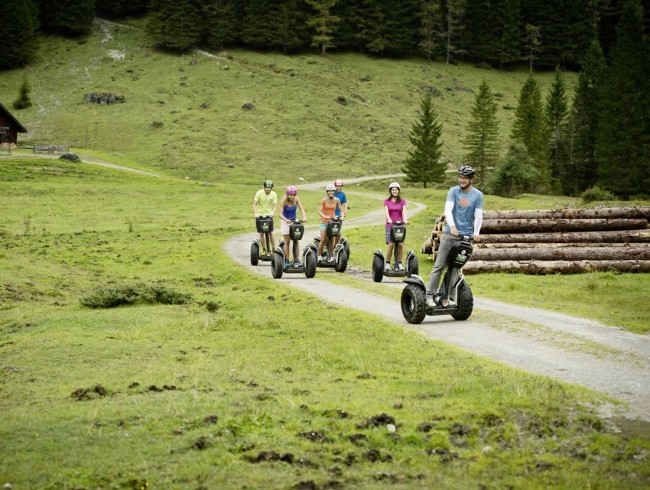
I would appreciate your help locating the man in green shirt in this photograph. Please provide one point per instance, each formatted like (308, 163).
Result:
(264, 204)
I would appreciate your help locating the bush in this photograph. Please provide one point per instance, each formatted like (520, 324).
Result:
(112, 297)
(595, 193)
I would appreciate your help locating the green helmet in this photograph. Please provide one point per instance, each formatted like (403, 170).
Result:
(268, 184)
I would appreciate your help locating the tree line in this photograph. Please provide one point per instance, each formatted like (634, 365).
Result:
(542, 33)
(596, 145)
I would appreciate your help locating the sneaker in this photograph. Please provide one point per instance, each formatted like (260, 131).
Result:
(296, 263)
(387, 266)
(400, 267)
(430, 301)
(321, 258)
(286, 264)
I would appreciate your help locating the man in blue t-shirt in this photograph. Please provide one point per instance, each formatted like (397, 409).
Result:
(463, 217)
(343, 210)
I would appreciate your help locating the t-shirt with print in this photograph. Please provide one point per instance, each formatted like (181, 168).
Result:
(265, 202)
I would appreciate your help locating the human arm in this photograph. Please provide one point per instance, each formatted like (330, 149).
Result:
(404, 215)
(449, 218)
(478, 221)
(274, 202)
(302, 210)
(387, 213)
(255, 201)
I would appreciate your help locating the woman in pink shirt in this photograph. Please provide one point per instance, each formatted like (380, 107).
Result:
(395, 209)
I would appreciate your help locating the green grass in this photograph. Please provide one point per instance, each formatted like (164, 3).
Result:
(250, 384)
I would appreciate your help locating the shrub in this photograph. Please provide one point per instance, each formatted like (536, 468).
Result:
(112, 297)
(595, 193)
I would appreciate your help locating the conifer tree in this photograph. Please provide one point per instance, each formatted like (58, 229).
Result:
(533, 44)
(18, 31)
(556, 118)
(583, 173)
(323, 24)
(423, 162)
(175, 24)
(515, 173)
(529, 128)
(220, 23)
(430, 28)
(455, 12)
(623, 137)
(481, 139)
(509, 45)
(24, 100)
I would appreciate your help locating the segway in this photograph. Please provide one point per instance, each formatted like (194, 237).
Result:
(308, 266)
(459, 294)
(264, 225)
(337, 257)
(411, 267)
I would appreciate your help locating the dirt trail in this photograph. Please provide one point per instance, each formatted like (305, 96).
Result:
(563, 347)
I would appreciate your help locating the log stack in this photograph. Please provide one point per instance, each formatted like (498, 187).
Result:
(558, 241)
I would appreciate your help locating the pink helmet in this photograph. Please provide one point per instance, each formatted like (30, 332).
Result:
(292, 190)
(338, 183)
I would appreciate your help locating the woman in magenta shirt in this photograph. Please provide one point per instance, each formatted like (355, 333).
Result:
(395, 209)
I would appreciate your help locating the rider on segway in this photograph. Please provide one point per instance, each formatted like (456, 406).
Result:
(395, 210)
(264, 204)
(327, 212)
(288, 213)
(463, 217)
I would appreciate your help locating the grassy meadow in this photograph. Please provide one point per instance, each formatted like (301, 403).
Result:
(208, 376)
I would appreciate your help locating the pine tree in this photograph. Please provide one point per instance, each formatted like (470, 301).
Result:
(583, 173)
(455, 27)
(18, 26)
(323, 24)
(175, 24)
(623, 137)
(515, 173)
(509, 45)
(481, 139)
(220, 23)
(23, 101)
(431, 28)
(289, 26)
(533, 44)
(423, 162)
(556, 118)
(529, 128)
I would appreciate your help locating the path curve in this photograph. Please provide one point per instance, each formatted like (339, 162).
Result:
(562, 347)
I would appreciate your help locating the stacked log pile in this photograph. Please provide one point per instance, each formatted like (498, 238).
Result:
(558, 241)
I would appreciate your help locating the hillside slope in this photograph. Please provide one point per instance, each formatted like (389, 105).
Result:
(184, 115)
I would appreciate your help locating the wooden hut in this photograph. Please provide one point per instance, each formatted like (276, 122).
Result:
(9, 127)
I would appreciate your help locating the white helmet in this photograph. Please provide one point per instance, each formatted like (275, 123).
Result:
(330, 187)
(393, 184)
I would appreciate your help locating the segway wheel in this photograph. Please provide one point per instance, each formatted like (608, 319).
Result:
(413, 267)
(413, 303)
(465, 303)
(310, 265)
(255, 253)
(341, 262)
(277, 265)
(377, 268)
(346, 247)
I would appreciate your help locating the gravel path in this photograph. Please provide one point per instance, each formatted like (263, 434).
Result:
(566, 348)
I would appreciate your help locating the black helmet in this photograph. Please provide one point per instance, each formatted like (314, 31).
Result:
(466, 170)
(268, 184)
